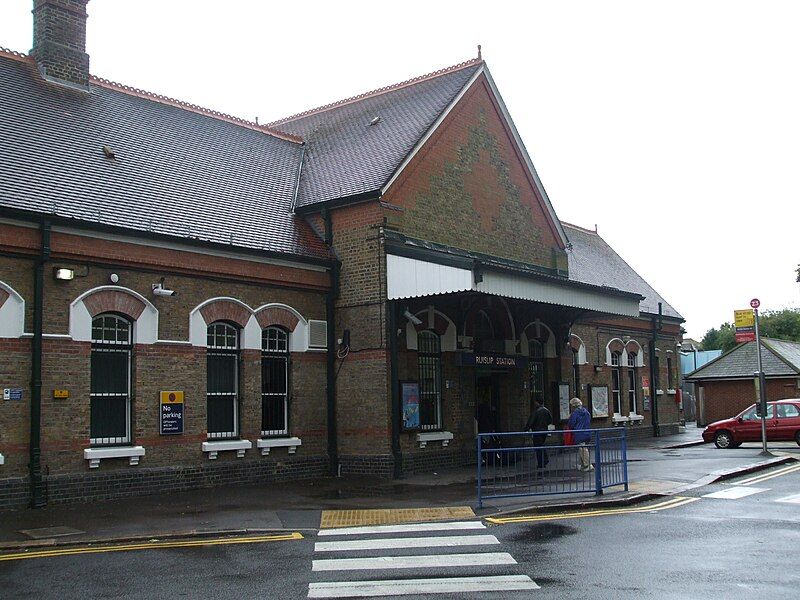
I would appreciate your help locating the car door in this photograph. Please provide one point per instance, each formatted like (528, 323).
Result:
(749, 428)
(788, 421)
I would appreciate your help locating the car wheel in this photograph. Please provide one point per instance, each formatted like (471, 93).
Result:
(723, 439)
(797, 437)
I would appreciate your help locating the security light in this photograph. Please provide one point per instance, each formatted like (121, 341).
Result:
(63, 274)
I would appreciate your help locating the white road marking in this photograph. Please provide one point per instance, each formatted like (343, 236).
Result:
(383, 543)
(413, 562)
(407, 528)
(734, 493)
(790, 499)
(399, 587)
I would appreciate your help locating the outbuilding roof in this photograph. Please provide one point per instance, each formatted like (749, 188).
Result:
(591, 260)
(355, 146)
(119, 157)
(779, 358)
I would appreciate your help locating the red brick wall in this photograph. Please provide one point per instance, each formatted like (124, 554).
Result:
(469, 188)
(725, 399)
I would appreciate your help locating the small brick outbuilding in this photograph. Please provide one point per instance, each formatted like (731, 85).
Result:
(726, 385)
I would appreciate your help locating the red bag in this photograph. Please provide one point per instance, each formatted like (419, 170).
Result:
(568, 441)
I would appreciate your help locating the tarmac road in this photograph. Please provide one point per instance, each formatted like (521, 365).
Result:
(739, 543)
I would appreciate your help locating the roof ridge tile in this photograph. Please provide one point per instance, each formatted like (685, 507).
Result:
(379, 91)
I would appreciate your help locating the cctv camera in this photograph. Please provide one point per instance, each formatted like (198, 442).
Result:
(160, 290)
(412, 318)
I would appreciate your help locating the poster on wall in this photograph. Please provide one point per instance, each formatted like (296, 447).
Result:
(646, 393)
(409, 396)
(599, 396)
(563, 401)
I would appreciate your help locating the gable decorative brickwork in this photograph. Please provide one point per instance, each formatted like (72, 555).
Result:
(225, 310)
(275, 315)
(114, 301)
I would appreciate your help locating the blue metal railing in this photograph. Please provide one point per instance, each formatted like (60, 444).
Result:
(540, 463)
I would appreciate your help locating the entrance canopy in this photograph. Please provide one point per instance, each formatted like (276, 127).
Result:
(411, 277)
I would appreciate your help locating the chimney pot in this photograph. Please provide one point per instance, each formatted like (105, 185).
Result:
(59, 41)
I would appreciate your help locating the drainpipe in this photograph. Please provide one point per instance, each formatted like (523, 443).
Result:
(397, 409)
(35, 465)
(330, 315)
(656, 327)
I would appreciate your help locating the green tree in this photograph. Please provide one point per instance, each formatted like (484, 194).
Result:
(779, 324)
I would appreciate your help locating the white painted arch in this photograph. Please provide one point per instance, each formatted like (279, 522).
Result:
(145, 328)
(623, 360)
(12, 313)
(549, 346)
(581, 349)
(427, 315)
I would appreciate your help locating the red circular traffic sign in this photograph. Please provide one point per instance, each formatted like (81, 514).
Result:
(755, 303)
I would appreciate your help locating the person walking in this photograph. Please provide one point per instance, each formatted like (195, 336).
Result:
(580, 420)
(540, 420)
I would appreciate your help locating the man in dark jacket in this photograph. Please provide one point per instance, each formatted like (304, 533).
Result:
(540, 420)
(580, 419)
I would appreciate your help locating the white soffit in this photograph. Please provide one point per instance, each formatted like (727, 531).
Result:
(412, 278)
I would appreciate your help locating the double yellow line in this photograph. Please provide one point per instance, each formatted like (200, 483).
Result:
(151, 546)
(671, 503)
(770, 475)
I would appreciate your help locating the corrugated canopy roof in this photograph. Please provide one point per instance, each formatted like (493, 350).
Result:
(177, 172)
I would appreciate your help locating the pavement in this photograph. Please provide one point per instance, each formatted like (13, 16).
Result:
(657, 467)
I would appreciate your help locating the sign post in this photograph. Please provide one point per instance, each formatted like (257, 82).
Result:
(762, 392)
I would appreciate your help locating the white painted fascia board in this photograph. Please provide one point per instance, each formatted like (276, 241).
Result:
(423, 140)
(95, 455)
(288, 442)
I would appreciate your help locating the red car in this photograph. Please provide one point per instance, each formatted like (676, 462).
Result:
(783, 423)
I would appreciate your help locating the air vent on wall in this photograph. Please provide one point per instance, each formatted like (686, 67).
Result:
(317, 334)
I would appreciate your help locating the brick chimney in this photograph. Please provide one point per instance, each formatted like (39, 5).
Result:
(59, 40)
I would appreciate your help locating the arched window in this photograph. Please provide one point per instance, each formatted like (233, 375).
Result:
(110, 385)
(632, 379)
(616, 382)
(430, 377)
(222, 377)
(274, 382)
(536, 370)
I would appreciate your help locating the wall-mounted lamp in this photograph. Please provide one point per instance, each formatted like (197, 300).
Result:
(63, 274)
(597, 368)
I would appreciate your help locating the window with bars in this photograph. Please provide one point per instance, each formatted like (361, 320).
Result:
(632, 379)
(536, 370)
(616, 382)
(222, 379)
(274, 382)
(110, 377)
(430, 377)
(669, 372)
(576, 375)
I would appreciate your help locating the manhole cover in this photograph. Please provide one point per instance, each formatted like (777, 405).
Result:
(50, 532)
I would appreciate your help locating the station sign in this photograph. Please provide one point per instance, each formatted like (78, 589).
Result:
(172, 406)
(494, 361)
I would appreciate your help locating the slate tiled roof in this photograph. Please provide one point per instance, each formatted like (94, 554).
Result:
(177, 171)
(348, 156)
(778, 358)
(593, 261)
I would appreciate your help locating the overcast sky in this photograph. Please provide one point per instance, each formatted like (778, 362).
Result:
(674, 126)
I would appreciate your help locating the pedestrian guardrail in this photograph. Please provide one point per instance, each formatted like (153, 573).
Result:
(539, 463)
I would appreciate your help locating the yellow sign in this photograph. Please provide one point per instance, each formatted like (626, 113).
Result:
(60, 394)
(171, 397)
(744, 318)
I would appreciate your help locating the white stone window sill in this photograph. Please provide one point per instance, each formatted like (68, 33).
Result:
(618, 418)
(241, 446)
(291, 443)
(434, 436)
(659, 392)
(2, 459)
(215, 447)
(634, 418)
(671, 392)
(95, 455)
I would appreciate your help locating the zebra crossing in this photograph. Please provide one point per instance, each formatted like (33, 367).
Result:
(413, 558)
